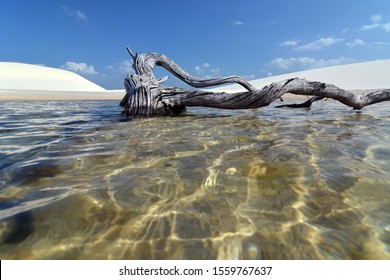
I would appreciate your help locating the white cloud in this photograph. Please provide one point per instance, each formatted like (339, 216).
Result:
(306, 63)
(380, 45)
(204, 70)
(376, 22)
(198, 69)
(249, 77)
(266, 73)
(354, 43)
(201, 68)
(125, 66)
(81, 67)
(215, 72)
(376, 18)
(122, 68)
(386, 26)
(80, 16)
(370, 26)
(206, 65)
(289, 43)
(318, 44)
(345, 30)
(237, 22)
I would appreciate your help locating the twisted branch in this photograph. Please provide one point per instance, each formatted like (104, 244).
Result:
(146, 97)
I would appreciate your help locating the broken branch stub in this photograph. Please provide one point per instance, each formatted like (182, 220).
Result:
(145, 95)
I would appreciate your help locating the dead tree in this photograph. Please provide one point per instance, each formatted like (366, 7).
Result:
(145, 96)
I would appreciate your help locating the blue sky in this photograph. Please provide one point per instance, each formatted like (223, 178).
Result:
(207, 38)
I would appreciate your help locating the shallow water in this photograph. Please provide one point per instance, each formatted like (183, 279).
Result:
(78, 183)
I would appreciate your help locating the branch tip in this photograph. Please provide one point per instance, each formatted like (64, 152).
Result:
(130, 52)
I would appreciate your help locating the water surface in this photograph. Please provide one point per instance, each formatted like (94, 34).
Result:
(79, 183)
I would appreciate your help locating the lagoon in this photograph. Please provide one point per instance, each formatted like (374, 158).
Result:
(79, 182)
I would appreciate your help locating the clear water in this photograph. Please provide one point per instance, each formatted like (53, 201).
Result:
(78, 183)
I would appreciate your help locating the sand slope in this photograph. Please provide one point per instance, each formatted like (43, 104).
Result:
(360, 76)
(21, 76)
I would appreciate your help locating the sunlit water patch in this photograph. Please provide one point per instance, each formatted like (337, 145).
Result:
(79, 183)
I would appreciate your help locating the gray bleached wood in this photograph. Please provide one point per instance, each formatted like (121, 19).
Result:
(145, 96)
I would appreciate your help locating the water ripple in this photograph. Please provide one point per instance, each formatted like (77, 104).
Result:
(77, 183)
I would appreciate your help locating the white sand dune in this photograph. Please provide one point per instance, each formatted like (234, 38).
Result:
(357, 76)
(20, 81)
(21, 76)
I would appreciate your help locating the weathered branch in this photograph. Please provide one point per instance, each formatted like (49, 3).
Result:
(146, 97)
(144, 64)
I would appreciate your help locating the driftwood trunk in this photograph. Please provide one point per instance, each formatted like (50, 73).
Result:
(145, 96)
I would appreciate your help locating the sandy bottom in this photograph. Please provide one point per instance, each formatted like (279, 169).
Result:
(77, 183)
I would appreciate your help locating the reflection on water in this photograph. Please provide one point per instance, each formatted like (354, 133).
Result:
(77, 183)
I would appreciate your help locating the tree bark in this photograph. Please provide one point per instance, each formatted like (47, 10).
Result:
(146, 97)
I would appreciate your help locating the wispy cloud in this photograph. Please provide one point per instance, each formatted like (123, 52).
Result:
(289, 43)
(237, 22)
(249, 77)
(76, 14)
(370, 26)
(122, 68)
(205, 71)
(386, 26)
(380, 45)
(306, 63)
(376, 22)
(356, 42)
(318, 44)
(79, 67)
(376, 18)
(201, 68)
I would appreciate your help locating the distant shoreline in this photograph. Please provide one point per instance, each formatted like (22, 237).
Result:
(48, 95)
(31, 82)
